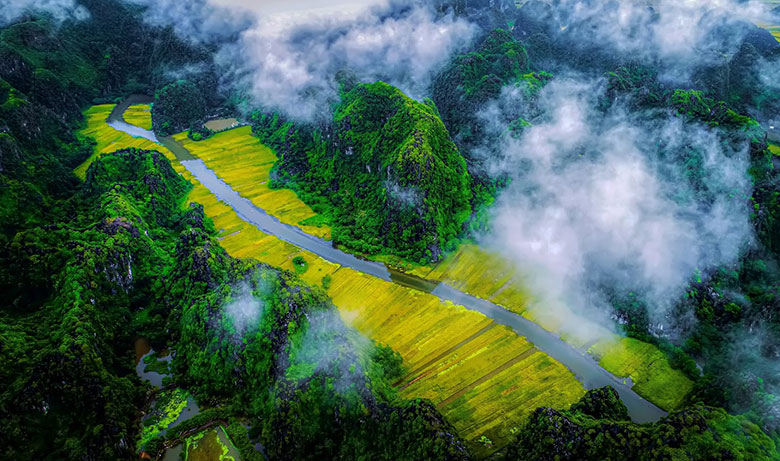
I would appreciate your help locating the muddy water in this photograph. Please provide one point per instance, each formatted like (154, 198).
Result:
(583, 366)
(222, 124)
(142, 350)
(174, 453)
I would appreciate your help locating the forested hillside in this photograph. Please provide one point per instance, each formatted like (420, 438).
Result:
(392, 181)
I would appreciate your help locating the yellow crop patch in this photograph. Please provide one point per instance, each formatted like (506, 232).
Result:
(483, 377)
(240, 160)
(107, 138)
(139, 115)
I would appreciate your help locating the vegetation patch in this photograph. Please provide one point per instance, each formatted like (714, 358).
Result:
(301, 266)
(165, 410)
(647, 367)
(210, 445)
(153, 363)
(391, 180)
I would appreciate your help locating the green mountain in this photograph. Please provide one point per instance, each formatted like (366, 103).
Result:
(386, 173)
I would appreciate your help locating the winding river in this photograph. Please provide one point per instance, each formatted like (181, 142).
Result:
(586, 369)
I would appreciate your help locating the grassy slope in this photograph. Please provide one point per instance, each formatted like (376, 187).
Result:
(485, 386)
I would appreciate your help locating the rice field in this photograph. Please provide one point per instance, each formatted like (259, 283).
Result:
(484, 378)
(139, 115)
(490, 276)
(647, 367)
(242, 161)
(107, 138)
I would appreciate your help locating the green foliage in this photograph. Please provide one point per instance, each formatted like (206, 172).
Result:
(700, 433)
(48, 73)
(300, 264)
(477, 77)
(165, 410)
(695, 104)
(72, 286)
(199, 132)
(176, 107)
(392, 182)
(155, 365)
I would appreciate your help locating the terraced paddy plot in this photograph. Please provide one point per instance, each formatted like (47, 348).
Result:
(107, 138)
(139, 115)
(240, 160)
(484, 378)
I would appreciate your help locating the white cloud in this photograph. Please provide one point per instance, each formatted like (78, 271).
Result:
(60, 10)
(611, 198)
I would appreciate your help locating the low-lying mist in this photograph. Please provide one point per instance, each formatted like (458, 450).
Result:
(618, 199)
(59, 10)
(287, 56)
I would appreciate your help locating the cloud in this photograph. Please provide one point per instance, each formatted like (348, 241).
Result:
(202, 21)
(60, 10)
(638, 201)
(681, 34)
(330, 348)
(286, 56)
(243, 313)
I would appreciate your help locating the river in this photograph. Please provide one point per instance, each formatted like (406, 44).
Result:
(586, 369)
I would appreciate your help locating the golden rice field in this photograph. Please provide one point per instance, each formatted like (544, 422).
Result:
(242, 161)
(139, 115)
(482, 376)
(107, 138)
(489, 276)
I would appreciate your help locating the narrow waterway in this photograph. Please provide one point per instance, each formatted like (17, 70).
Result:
(582, 365)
